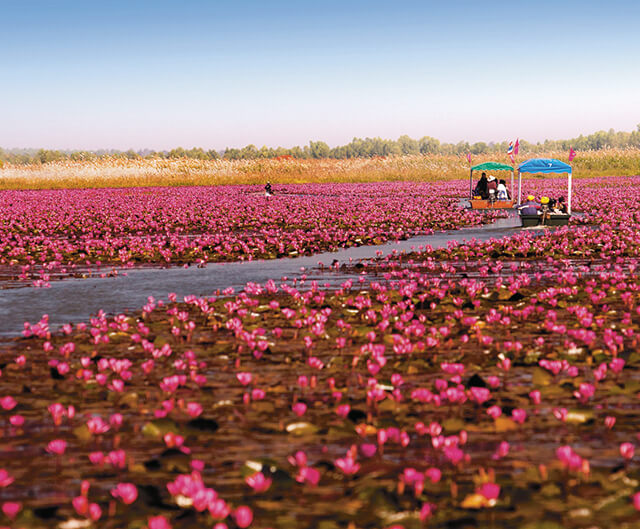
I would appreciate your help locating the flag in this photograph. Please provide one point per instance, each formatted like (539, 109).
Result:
(513, 159)
(469, 157)
(572, 154)
(516, 147)
(510, 149)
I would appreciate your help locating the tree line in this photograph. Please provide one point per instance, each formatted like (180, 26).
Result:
(357, 148)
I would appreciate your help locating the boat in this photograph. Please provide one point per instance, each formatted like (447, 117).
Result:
(545, 166)
(478, 203)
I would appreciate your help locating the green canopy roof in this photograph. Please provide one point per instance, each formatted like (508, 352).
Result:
(492, 166)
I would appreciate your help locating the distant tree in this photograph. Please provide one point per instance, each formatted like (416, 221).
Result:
(319, 149)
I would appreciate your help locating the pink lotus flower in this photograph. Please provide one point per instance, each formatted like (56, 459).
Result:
(218, 509)
(194, 409)
(636, 501)
(480, 395)
(8, 403)
(6, 479)
(57, 447)
(519, 415)
(433, 474)
(244, 378)
(258, 482)
(491, 491)
(347, 465)
(368, 449)
(16, 420)
(158, 522)
(11, 509)
(97, 426)
(127, 492)
(627, 450)
(299, 408)
(427, 511)
(535, 397)
(308, 475)
(243, 516)
(81, 505)
(560, 414)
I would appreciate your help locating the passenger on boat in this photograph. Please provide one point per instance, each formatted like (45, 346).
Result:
(544, 208)
(562, 206)
(481, 188)
(530, 207)
(503, 194)
(268, 191)
(492, 187)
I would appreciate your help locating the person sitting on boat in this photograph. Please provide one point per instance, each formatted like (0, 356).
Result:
(492, 187)
(503, 194)
(530, 207)
(481, 187)
(544, 208)
(268, 191)
(561, 206)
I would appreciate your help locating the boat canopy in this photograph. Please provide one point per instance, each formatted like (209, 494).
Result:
(545, 166)
(492, 166)
(489, 166)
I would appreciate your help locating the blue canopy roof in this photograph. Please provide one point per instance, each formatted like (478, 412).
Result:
(544, 165)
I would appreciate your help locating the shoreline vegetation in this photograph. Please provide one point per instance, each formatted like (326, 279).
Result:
(150, 172)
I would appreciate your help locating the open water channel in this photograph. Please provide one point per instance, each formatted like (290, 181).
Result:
(75, 300)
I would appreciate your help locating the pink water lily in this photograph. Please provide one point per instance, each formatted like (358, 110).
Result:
(258, 482)
(127, 492)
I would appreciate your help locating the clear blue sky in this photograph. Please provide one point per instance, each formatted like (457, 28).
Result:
(159, 74)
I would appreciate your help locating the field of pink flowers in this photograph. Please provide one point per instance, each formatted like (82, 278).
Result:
(492, 384)
(50, 234)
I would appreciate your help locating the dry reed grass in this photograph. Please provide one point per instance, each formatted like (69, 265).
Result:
(180, 172)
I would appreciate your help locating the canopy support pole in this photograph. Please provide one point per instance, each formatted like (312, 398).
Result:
(519, 188)
(471, 184)
(511, 185)
(569, 195)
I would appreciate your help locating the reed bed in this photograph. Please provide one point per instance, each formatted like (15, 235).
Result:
(112, 172)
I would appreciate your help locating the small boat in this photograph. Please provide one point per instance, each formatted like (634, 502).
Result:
(545, 166)
(478, 203)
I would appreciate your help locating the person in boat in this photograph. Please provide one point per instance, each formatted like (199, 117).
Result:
(268, 191)
(492, 187)
(503, 194)
(530, 207)
(561, 206)
(545, 209)
(481, 187)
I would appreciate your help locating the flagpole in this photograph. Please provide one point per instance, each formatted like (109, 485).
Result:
(470, 177)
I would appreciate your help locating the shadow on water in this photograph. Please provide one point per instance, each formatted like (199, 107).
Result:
(75, 300)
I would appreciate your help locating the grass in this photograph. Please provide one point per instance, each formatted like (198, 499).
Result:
(184, 171)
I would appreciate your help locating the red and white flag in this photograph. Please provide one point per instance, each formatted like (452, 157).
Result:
(469, 157)
(516, 147)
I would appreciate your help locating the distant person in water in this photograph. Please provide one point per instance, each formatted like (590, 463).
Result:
(268, 191)
(481, 188)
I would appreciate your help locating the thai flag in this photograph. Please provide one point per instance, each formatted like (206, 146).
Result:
(510, 149)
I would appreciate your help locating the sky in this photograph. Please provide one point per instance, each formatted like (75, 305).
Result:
(214, 74)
